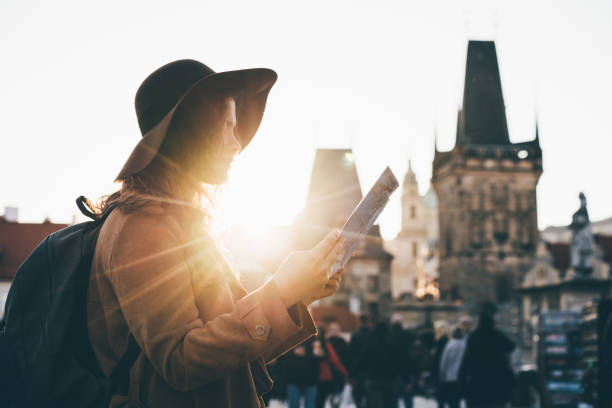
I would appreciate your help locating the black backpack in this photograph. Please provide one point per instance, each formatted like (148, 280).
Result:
(46, 359)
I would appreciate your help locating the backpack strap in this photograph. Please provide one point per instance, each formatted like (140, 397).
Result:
(120, 378)
(85, 207)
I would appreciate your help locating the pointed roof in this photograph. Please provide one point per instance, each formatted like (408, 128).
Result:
(482, 120)
(410, 177)
(334, 175)
(333, 194)
(430, 199)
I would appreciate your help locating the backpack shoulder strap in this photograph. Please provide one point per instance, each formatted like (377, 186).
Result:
(85, 207)
(120, 377)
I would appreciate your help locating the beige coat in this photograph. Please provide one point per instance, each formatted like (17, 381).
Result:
(204, 340)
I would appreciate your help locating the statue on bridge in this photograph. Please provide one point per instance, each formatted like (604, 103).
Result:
(581, 247)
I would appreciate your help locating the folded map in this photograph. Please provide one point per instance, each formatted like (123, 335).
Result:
(364, 216)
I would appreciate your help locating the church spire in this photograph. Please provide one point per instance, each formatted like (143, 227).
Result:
(482, 119)
(410, 177)
(435, 139)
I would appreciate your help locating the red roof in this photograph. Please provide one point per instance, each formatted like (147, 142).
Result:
(325, 314)
(18, 240)
(561, 255)
(561, 251)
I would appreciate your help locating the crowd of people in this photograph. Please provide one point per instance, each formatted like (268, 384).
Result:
(385, 363)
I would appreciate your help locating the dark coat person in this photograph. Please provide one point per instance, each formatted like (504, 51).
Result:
(357, 360)
(300, 371)
(382, 362)
(485, 372)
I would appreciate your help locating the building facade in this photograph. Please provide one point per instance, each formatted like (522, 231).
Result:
(414, 269)
(565, 276)
(486, 187)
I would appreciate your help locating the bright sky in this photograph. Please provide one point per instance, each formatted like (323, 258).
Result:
(374, 76)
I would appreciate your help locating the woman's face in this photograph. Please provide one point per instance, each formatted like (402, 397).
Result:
(230, 145)
(218, 155)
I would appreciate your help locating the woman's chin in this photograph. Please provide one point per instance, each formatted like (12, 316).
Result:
(217, 177)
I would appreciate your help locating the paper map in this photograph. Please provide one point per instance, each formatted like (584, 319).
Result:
(364, 216)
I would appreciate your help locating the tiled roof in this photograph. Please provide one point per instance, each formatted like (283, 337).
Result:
(561, 256)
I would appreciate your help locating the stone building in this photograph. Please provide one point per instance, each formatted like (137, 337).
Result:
(333, 194)
(565, 276)
(486, 188)
(415, 248)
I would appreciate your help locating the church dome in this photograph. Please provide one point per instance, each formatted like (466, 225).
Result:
(430, 199)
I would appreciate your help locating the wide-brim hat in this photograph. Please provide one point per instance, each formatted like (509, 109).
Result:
(181, 82)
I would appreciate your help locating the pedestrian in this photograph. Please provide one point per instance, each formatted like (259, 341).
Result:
(358, 359)
(382, 369)
(332, 370)
(441, 331)
(300, 371)
(158, 280)
(465, 323)
(449, 369)
(279, 391)
(485, 372)
(403, 343)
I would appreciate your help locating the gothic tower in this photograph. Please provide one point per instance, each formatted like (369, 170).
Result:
(486, 187)
(333, 194)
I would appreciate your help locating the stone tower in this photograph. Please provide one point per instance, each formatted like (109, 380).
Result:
(333, 194)
(486, 187)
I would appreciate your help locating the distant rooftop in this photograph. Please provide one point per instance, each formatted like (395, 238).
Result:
(18, 240)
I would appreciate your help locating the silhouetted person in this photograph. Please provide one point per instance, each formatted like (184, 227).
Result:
(606, 369)
(407, 365)
(449, 370)
(357, 364)
(382, 369)
(300, 371)
(485, 371)
(332, 369)
(441, 341)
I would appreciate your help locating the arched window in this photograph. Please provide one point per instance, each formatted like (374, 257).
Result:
(412, 212)
(415, 249)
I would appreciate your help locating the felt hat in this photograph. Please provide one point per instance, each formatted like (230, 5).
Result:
(183, 82)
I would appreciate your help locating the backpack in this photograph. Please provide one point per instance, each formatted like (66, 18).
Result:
(46, 358)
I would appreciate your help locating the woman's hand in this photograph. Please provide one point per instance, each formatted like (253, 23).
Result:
(303, 274)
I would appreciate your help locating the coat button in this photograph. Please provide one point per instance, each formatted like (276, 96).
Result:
(260, 330)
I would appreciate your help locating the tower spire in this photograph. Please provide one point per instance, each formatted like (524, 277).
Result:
(435, 138)
(482, 118)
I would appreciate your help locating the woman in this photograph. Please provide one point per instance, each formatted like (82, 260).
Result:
(157, 276)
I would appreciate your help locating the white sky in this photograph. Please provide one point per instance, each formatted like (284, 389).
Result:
(374, 76)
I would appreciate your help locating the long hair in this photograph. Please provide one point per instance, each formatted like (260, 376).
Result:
(174, 176)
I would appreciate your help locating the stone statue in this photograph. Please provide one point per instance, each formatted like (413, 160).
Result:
(581, 248)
